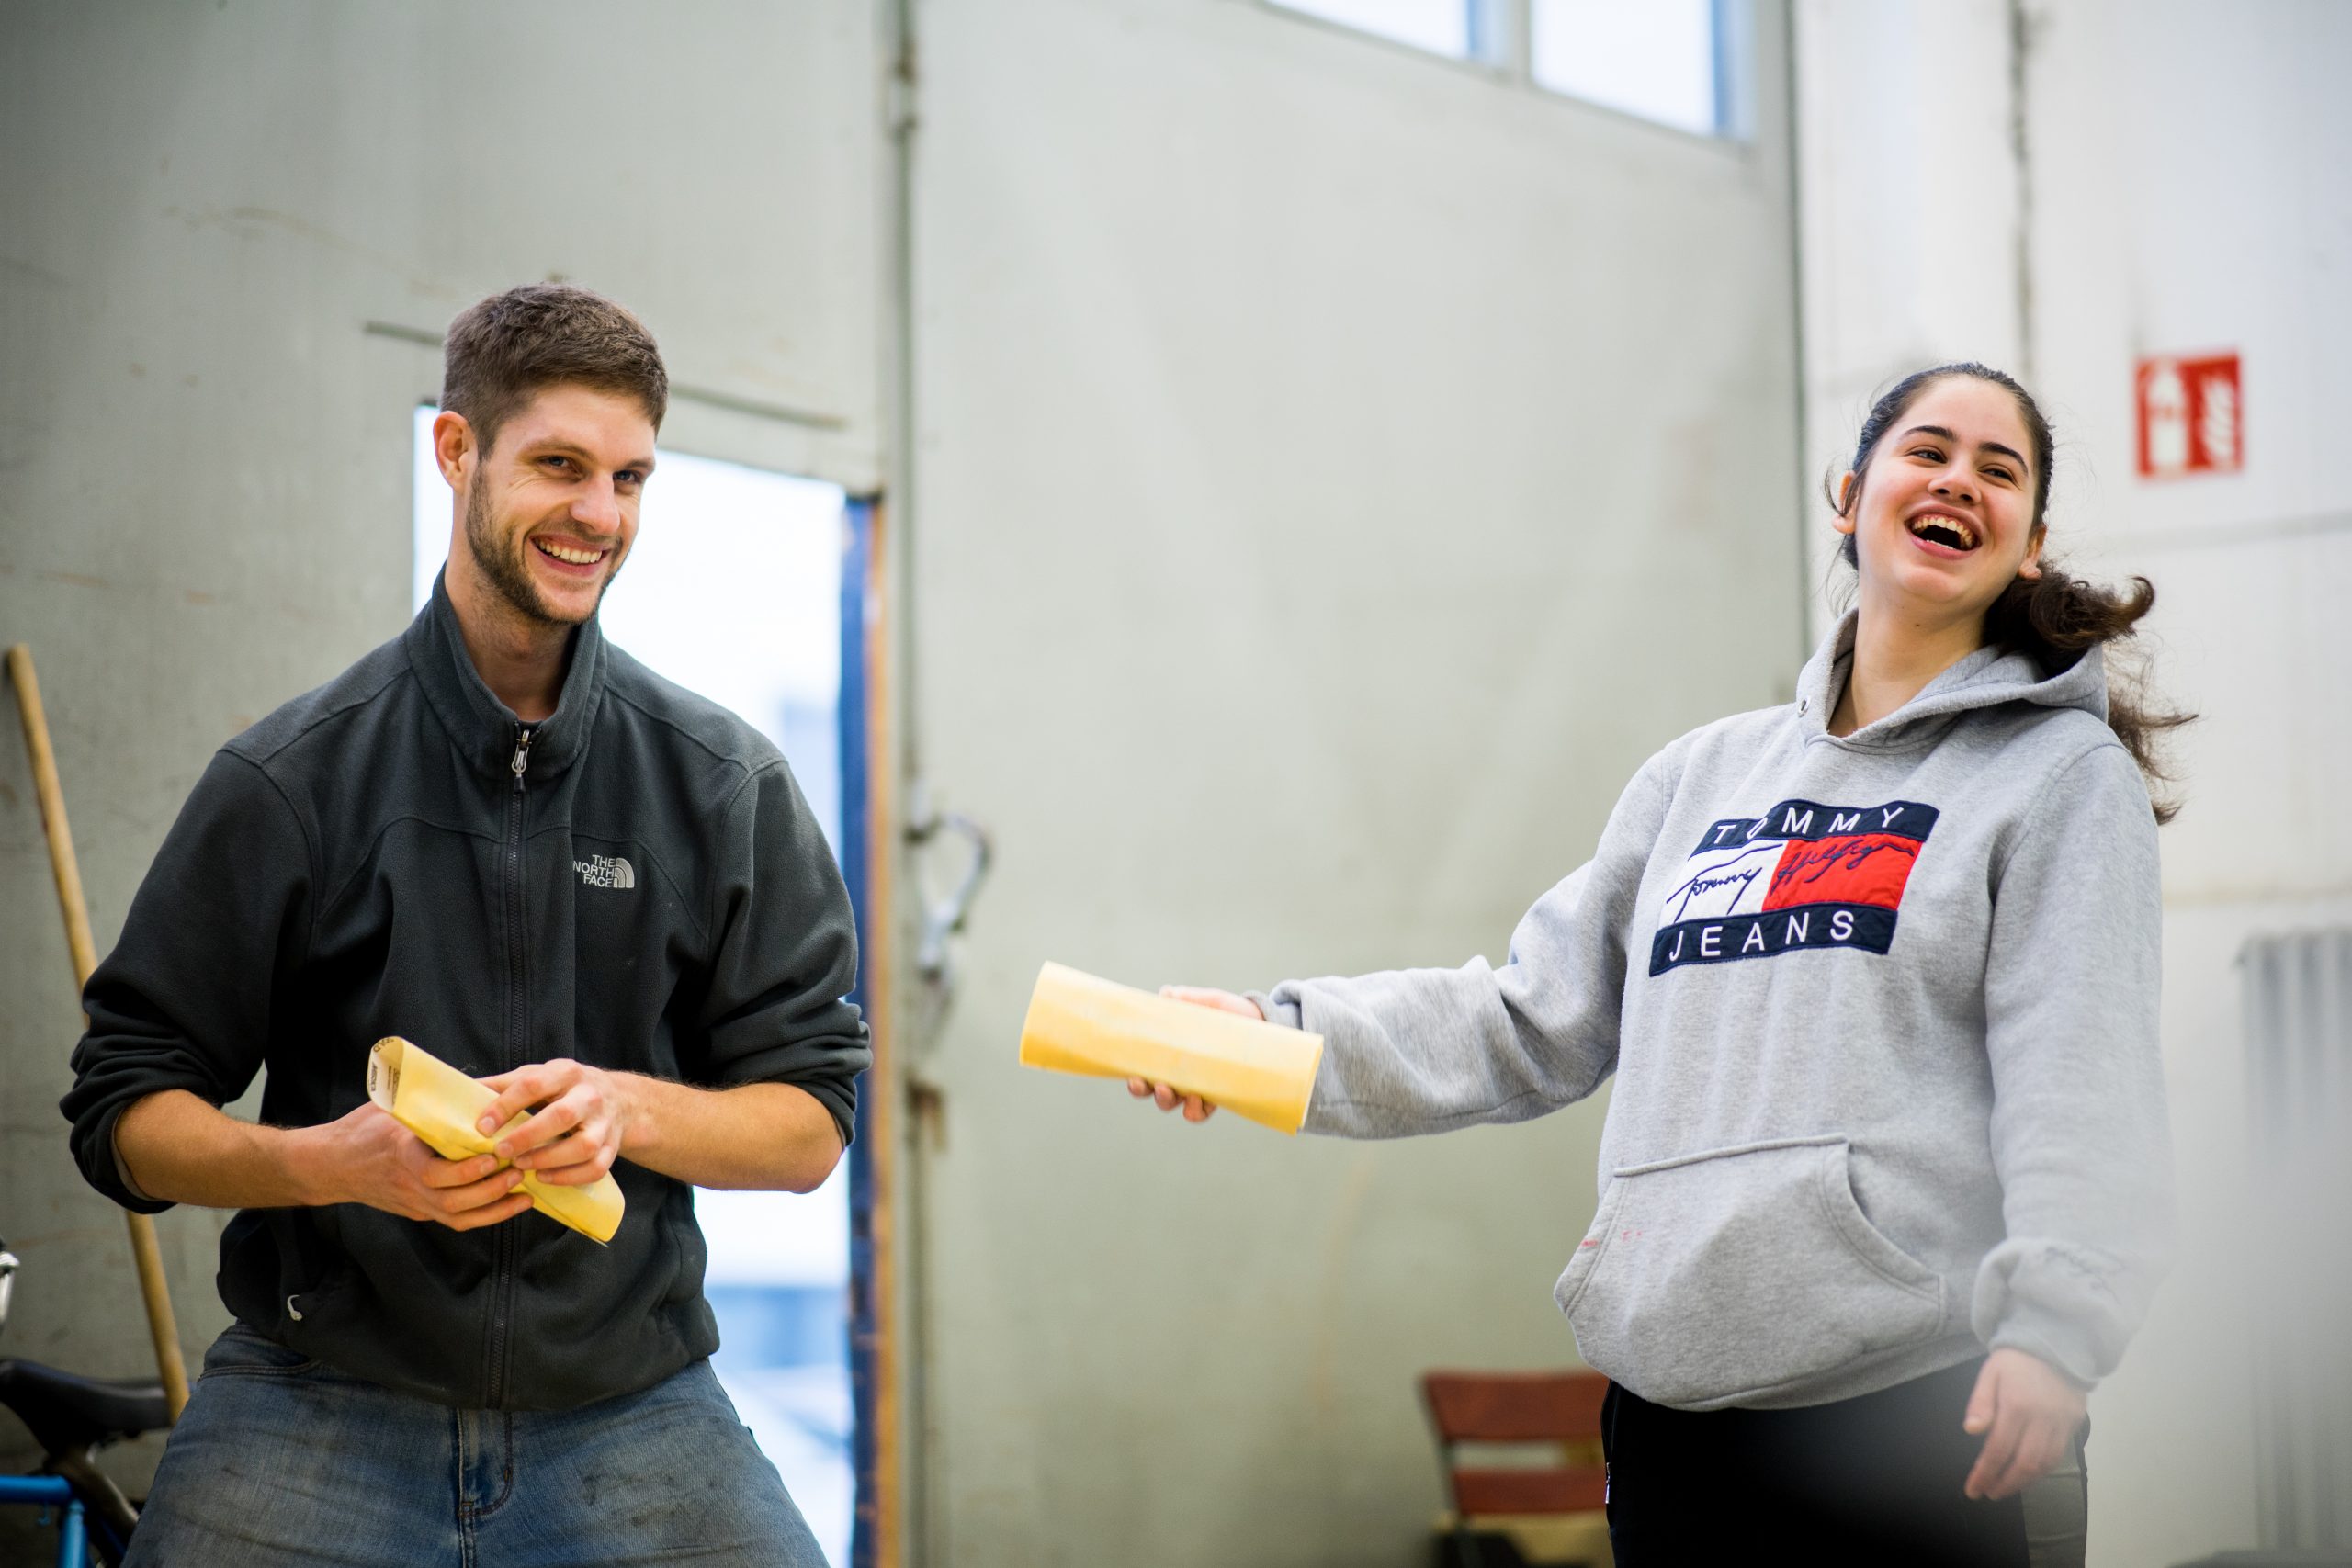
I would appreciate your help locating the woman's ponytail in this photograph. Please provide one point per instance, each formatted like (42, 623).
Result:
(2054, 618)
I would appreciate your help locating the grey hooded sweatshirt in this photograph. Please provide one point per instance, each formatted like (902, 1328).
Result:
(1881, 1009)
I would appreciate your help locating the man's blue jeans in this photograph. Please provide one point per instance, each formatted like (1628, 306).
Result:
(280, 1459)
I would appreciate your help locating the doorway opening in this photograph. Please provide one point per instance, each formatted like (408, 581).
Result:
(746, 586)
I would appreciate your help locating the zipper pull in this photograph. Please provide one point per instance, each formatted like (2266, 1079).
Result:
(522, 753)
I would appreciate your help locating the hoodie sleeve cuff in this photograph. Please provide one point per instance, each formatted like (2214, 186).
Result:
(2045, 1347)
(110, 1173)
(2079, 1334)
(1289, 1014)
(121, 1165)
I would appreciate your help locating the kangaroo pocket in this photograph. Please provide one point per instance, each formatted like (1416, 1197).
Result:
(1735, 1273)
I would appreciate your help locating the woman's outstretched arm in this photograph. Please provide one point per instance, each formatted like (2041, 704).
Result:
(1414, 1051)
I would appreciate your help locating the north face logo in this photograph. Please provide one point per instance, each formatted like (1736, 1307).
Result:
(605, 871)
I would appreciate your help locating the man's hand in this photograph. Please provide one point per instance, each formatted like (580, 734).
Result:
(2031, 1413)
(579, 1116)
(368, 1157)
(1161, 1094)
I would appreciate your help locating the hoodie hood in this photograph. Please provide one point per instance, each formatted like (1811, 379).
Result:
(1986, 678)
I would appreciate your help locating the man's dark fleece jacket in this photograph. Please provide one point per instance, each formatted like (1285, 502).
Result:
(635, 882)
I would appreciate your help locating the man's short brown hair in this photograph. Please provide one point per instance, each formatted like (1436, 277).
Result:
(504, 350)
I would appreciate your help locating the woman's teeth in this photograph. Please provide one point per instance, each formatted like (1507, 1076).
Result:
(1950, 532)
(566, 553)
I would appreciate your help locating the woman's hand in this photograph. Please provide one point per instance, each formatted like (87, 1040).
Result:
(1167, 1098)
(2031, 1413)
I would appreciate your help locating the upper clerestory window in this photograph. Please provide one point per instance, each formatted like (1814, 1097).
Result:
(1441, 27)
(1677, 62)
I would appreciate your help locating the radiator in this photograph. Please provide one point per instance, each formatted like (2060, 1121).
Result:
(2297, 993)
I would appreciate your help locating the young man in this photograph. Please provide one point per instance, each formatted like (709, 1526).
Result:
(505, 840)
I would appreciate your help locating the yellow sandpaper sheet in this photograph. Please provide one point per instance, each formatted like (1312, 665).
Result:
(441, 1105)
(1080, 1023)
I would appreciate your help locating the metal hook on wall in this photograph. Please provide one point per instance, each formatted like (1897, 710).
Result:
(942, 918)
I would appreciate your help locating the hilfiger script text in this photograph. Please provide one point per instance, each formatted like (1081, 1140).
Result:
(1801, 876)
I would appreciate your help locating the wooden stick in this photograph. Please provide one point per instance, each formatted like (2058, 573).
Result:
(145, 1252)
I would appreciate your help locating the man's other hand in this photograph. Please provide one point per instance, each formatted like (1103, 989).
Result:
(374, 1160)
(579, 1116)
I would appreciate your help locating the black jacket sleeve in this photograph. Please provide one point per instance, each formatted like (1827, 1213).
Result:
(183, 1002)
(786, 953)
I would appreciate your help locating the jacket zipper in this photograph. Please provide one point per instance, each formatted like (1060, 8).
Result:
(503, 1284)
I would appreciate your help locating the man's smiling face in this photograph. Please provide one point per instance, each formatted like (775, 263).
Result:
(551, 507)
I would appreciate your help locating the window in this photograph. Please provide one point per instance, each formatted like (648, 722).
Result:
(1441, 27)
(1677, 62)
(1657, 59)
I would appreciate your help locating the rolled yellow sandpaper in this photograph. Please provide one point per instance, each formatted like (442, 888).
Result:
(1080, 1023)
(441, 1105)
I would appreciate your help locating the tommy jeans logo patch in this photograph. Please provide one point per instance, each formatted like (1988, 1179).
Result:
(1801, 876)
(605, 871)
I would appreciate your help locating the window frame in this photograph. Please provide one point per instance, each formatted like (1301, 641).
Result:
(1500, 48)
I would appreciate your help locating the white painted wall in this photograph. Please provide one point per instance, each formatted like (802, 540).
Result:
(206, 454)
(1337, 469)
(2186, 169)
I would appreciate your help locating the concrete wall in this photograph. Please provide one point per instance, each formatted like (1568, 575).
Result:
(206, 450)
(2183, 169)
(1337, 470)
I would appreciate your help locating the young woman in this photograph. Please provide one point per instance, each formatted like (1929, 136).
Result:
(1886, 1173)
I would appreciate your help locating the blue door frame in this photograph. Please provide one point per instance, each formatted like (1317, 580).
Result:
(858, 829)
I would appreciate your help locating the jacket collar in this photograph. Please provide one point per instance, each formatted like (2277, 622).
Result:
(1987, 678)
(482, 727)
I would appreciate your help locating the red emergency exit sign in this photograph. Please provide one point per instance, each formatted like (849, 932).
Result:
(2192, 418)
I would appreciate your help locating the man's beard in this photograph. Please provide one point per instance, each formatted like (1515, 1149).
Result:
(508, 574)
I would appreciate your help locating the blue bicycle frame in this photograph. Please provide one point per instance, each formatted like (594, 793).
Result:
(47, 1490)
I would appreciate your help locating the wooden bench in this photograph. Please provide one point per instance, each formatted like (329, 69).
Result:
(1549, 1511)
